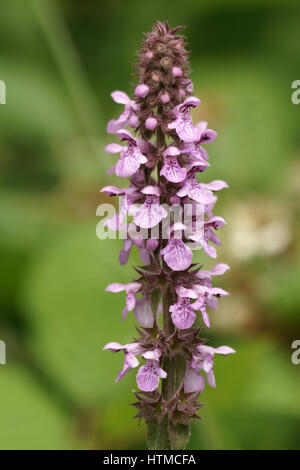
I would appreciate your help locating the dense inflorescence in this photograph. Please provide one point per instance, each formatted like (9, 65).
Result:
(161, 155)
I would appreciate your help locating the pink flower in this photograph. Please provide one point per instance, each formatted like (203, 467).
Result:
(171, 169)
(130, 360)
(148, 376)
(127, 245)
(205, 296)
(130, 289)
(203, 360)
(200, 192)
(183, 123)
(131, 157)
(194, 381)
(130, 108)
(143, 312)
(206, 135)
(151, 213)
(213, 223)
(177, 255)
(128, 196)
(183, 315)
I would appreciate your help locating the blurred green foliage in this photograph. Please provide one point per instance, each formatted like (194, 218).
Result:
(60, 61)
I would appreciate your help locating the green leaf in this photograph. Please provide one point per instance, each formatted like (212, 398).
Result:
(179, 370)
(158, 435)
(155, 301)
(179, 435)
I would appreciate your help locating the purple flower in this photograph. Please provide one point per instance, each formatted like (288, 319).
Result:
(193, 380)
(177, 255)
(151, 213)
(218, 270)
(152, 244)
(200, 192)
(128, 114)
(143, 312)
(171, 169)
(129, 195)
(127, 245)
(206, 296)
(203, 360)
(131, 156)
(183, 315)
(125, 253)
(213, 223)
(194, 157)
(206, 135)
(183, 123)
(112, 190)
(131, 289)
(205, 276)
(196, 191)
(130, 360)
(148, 376)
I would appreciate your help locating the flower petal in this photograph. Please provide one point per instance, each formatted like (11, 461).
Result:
(177, 255)
(115, 287)
(172, 171)
(114, 346)
(130, 361)
(150, 214)
(130, 161)
(216, 185)
(193, 381)
(183, 315)
(143, 313)
(148, 376)
(120, 97)
(113, 148)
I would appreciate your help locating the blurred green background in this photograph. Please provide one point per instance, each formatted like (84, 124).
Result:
(60, 61)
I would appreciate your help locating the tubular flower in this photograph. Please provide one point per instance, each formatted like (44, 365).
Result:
(128, 117)
(167, 213)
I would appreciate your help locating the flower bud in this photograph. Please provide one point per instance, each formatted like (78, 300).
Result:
(164, 97)
(166, 62)
(141, 90)
(149, 55)
(134, 121)
(176, 71)
(155, 77)
(151, 123)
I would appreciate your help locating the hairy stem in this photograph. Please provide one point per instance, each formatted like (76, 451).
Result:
(162, 430)
(168, 385)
